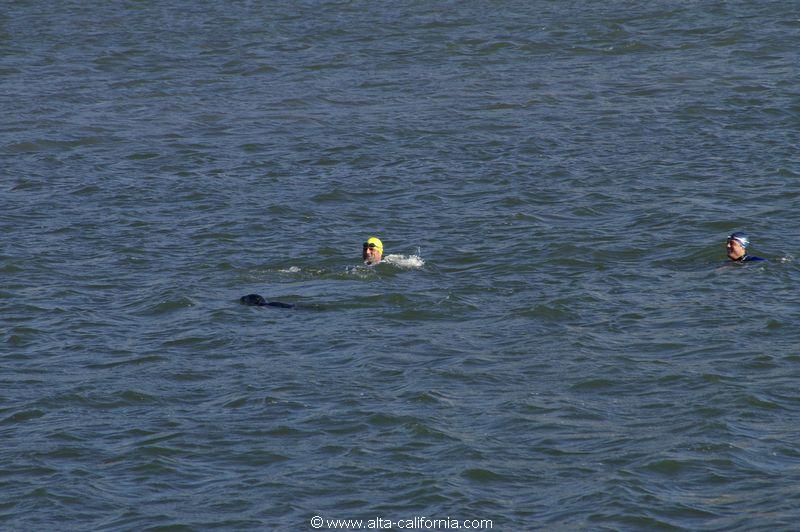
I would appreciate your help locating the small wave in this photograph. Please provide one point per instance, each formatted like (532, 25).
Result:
(360, 270)
(407, 262)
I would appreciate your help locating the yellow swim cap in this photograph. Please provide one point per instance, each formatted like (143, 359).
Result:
(375, 242)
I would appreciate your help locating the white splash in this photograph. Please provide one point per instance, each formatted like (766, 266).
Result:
(407, 262)
(291, 269)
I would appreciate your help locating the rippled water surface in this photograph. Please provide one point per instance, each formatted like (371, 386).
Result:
(556, 340)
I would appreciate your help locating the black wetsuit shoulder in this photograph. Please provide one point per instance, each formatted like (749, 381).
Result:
(256, 300)
(752, 258)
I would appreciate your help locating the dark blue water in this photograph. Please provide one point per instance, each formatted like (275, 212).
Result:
(555, 341)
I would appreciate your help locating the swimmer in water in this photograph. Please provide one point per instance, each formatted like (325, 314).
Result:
(255, 300)
(736, 248)
(373, 251)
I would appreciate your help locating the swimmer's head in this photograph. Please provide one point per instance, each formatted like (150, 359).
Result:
(736, 245)
(741, 237)
(373, 250)
(374, 242)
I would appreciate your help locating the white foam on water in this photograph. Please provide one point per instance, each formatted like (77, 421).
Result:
(360, 270)
(291, 269)
(408, 262)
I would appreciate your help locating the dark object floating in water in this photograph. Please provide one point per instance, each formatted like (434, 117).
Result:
(255, 300)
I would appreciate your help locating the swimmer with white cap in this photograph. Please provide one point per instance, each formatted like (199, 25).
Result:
(736, 248)
(373, 251)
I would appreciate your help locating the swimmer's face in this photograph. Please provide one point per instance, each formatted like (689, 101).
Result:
(734, 249)
(371, 254)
